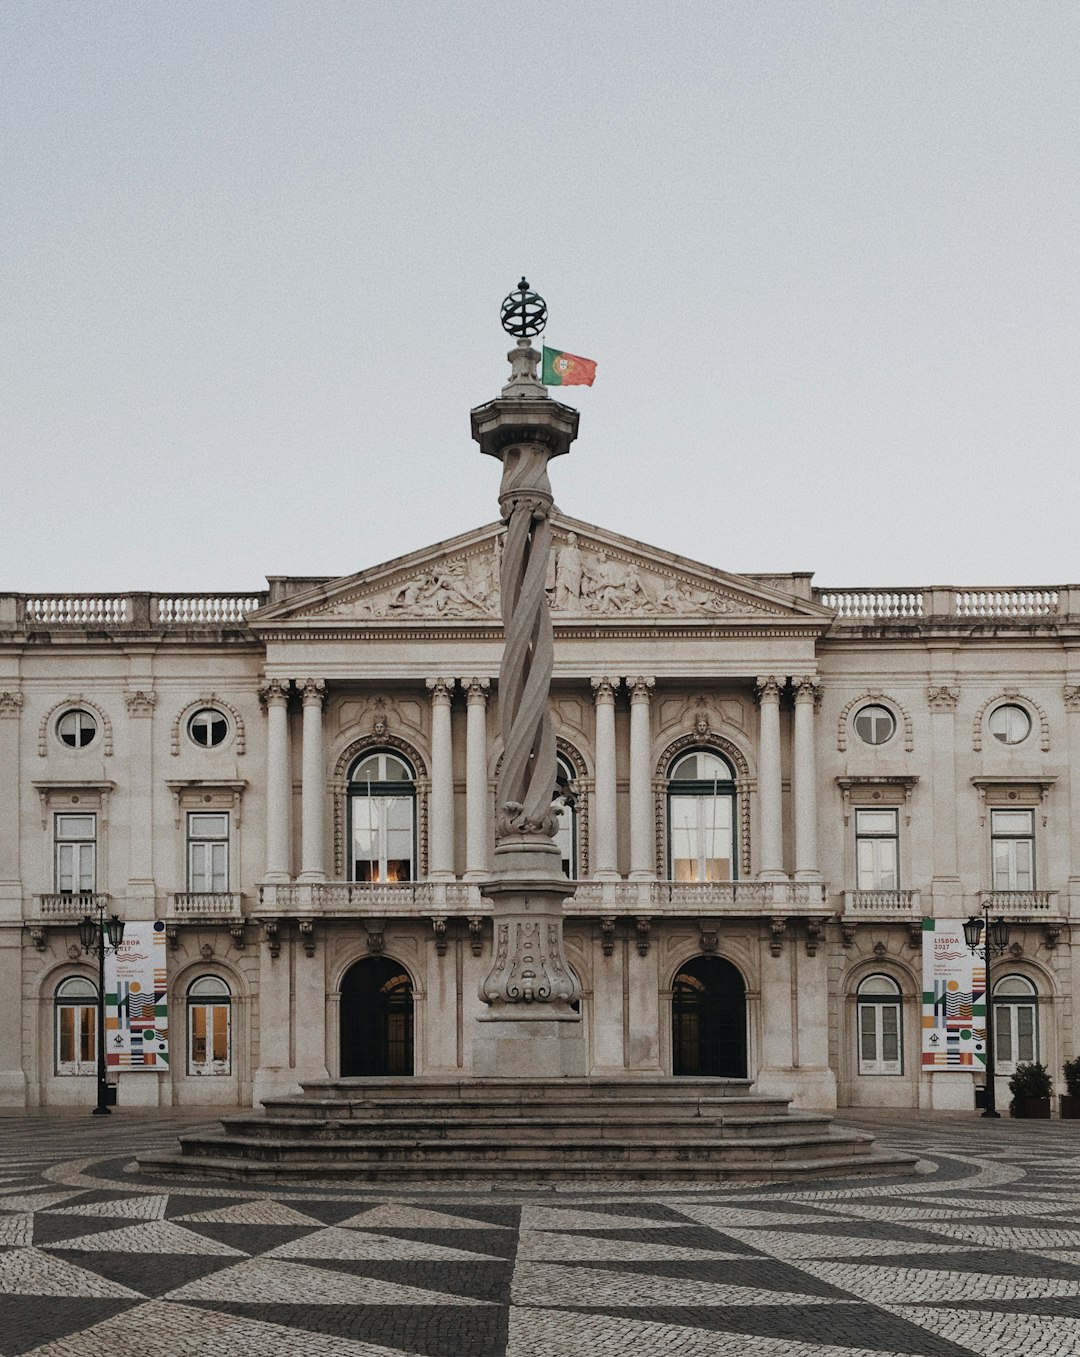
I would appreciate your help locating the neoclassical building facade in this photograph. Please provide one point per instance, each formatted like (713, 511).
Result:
(767, 788)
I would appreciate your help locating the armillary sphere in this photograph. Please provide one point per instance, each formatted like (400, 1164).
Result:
(524, 312)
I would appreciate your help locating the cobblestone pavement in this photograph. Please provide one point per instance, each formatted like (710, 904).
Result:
(977, 1254)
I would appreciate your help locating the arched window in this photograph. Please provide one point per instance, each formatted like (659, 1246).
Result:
(382, 818)
(209, 1008)
(1016, 1029)
(880, 1012)
(76, 1026)
(701, 818)
(566, 836)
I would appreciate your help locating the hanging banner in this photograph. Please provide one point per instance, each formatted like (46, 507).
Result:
(954, 1000)
(136, 1008)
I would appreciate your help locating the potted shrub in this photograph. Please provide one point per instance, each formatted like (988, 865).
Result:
(1069, 1103)
(1031, 1087)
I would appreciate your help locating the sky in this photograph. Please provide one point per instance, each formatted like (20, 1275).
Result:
(825, 254)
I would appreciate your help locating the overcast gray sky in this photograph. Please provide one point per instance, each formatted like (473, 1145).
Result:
(825, 256)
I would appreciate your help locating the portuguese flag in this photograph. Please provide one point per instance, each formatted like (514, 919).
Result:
(567, 369)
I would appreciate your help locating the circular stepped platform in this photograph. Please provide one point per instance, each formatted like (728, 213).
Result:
(434, 1129)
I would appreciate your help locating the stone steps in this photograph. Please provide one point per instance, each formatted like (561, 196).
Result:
(558, 1130)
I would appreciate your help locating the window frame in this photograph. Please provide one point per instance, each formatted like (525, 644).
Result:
(1009, 708)
(869, 836)
(1008, 1007)
(216, 1009)
(876, 706)
(569, 820)
(1012, 839)
(216, 712)
(702, 789)
(84, 1010)
(208, 842)
(871, 1005)
(386, 790)
(79, 714)
(81, 846)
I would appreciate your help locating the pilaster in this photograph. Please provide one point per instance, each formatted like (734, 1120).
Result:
(313, 789)
(274, 695)
(477, 863)
(770, 812)
(605, 848)
(441, 858)
(641, 808)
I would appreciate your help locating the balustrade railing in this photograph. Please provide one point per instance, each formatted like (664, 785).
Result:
(1016, 904)
(881, 903)
(70, 904)
(866, 604)
(135, 610)
(873, 605)
(207, 904)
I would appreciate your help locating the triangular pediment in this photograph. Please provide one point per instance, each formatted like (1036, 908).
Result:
(594, 575)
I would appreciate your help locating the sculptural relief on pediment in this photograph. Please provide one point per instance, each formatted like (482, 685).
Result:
(585, 579)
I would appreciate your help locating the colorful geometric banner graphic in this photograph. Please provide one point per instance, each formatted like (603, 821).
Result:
(954, 1000)
(136, 1008)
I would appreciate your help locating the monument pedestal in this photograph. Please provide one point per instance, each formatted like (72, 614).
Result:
(529, 1028)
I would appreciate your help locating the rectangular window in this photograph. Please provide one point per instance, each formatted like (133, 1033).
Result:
(877, 850)
(1014, 1035)
(210, 1045)
(879, 1038)
(208, 852)
(1012, 850)
(75, 839)
(76, 1039)
(701, 838)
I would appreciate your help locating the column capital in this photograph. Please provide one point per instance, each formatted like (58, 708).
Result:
(942, 697)
(807, 688)
(313, 691)
(441, 690)
(476, 690)
(767, 688)
(604, 690)
(1071, 694)
(140, 703)
(275, 692)
(640, 688)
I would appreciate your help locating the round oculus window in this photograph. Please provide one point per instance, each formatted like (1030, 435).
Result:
(874, 725)
(208, 727)
(1010, 724)
(76, 728)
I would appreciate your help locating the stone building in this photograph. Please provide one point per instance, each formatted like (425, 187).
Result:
(769, 786)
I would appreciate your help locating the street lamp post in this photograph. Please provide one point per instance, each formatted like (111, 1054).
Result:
(995, 940)
(92, 932)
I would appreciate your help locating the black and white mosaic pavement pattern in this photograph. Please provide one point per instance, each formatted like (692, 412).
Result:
(978, 1254)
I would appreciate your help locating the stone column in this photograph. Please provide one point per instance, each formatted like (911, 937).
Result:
(605, 855)
(476, 779)
(805, 788)
(441, 865)
(642, 855)
(275, 695)
(770, 814)
(313, 789)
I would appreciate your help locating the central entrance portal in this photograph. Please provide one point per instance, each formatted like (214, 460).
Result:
(708, 1019)
(376, 1019)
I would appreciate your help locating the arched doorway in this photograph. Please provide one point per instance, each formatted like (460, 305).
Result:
(708, 1019)
(376, 1019)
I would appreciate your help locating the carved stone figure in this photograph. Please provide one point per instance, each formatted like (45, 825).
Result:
(569, 570)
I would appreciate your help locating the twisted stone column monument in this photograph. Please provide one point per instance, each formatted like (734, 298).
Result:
(529, 1026)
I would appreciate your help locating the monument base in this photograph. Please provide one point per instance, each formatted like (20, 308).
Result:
(529, 1044)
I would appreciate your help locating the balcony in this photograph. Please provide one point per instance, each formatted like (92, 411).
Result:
(340, 899)
(1022, 905)
(211, 906)
(62, 906)
(882, 905)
